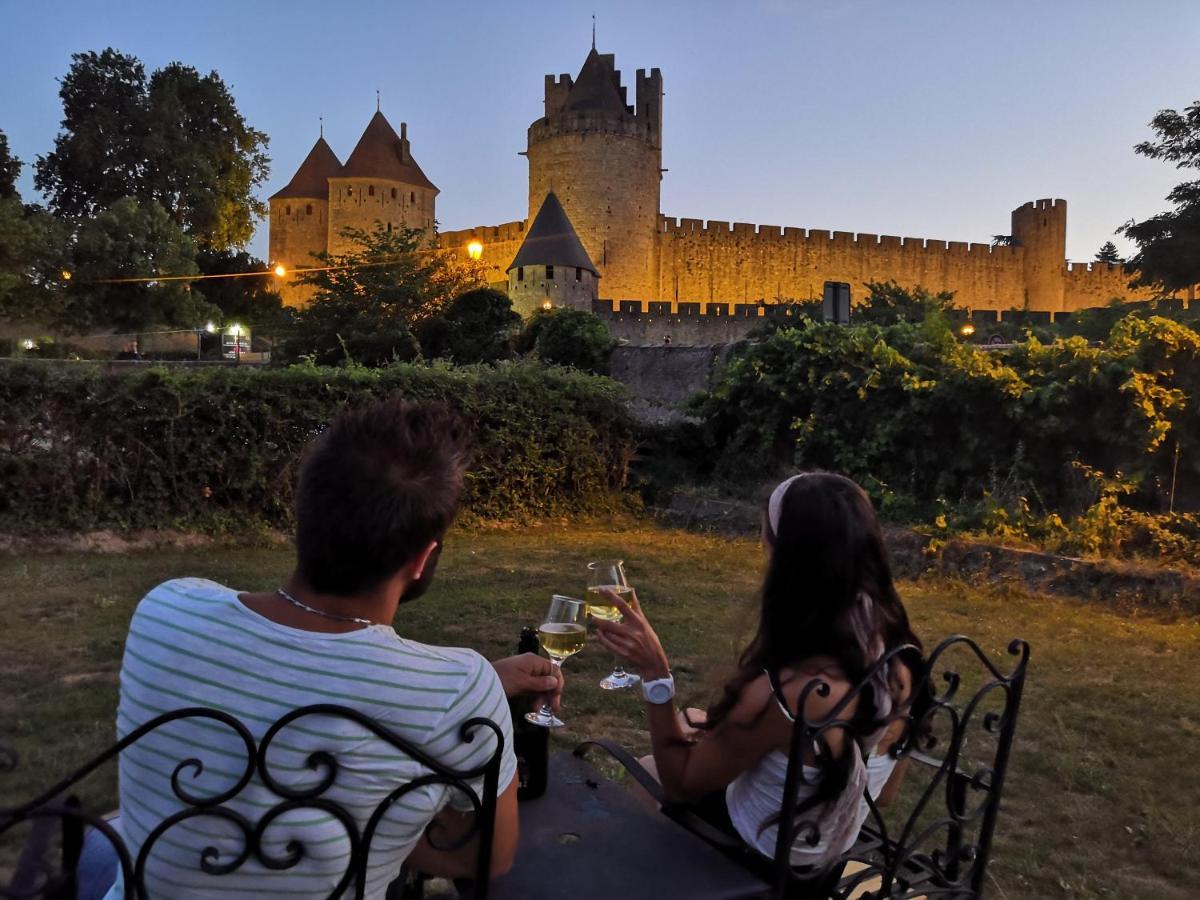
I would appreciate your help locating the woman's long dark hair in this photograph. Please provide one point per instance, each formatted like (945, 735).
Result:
(827, 552)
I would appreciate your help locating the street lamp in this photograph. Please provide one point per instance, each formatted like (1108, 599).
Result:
(280, 270)
(475, 250)
(967, 330)
(236, 330)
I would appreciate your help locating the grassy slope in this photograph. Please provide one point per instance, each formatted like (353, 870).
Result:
(1101, 799)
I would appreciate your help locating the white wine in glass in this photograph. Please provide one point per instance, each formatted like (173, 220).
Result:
(562, 634)
(609, 575)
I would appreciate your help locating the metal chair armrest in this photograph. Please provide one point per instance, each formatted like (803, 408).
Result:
(679, 812)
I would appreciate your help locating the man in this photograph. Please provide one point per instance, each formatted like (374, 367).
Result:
(376, 495)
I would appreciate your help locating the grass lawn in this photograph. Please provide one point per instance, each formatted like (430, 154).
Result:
(1103, 797)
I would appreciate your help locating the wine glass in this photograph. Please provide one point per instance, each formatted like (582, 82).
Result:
(610, 575)
(562, 634)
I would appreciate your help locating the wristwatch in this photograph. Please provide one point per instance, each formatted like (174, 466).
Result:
(659, 691)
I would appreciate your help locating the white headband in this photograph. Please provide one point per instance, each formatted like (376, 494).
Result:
(775, 504)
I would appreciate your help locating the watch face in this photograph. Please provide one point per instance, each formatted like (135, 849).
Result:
(660, 693)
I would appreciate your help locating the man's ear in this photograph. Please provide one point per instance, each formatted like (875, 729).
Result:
(417, 566)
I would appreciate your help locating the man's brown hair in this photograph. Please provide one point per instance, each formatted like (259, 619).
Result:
(381, 483)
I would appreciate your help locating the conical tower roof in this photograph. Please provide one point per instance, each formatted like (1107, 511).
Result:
(381, 153)
(311, 179)
(552, 241)
(597, 87)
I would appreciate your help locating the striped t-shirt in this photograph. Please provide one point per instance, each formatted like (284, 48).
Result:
(193, 643)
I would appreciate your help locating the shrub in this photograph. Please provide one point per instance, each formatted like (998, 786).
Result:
(567, 337)
(217, 447)
(478, 326)
(929, 424)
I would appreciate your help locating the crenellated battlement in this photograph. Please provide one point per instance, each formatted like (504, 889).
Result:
(508, 231)
(721, 231)
(1042, 204)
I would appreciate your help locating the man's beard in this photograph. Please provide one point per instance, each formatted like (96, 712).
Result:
(418, 586)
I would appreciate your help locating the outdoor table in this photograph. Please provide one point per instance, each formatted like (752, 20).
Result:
(588, 837)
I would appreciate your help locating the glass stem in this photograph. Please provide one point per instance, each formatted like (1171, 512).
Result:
(544, 712)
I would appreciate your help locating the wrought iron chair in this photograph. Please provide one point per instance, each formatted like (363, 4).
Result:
(36, 876)
(958, 730)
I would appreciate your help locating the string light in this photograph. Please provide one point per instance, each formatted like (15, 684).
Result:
(276, 272)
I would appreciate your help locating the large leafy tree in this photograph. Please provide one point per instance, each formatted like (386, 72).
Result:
(368, 300)
(1168, 256)
(175, 139)
(32, 248)
(117, 257)
(10, 169)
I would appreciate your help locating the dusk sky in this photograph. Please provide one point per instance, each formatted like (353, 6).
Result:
(916, 118)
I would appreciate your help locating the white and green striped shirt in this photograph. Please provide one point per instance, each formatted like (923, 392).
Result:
(193, 643)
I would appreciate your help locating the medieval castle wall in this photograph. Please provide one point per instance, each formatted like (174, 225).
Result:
(500, 245)
(299, 228)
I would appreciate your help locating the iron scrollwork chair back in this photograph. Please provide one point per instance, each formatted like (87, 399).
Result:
(942, 846)
(36, 878)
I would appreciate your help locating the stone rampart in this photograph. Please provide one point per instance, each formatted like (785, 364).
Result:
(500, 245)
(747, 263)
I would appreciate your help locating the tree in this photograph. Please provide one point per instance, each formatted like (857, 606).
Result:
(477, 327)
(132, 240)
(1108, 254)
(369, 300)
(567, 337)
(251, 301)
(887, 303)
(176, 140)
(1168, 256)
(32, 245)
(10, 170)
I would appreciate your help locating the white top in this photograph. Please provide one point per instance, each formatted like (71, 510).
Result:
(193, 643)
(756, 796)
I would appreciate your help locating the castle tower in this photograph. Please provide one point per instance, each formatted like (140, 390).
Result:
(299, 219)
(380, 183)
(552, 268)
(1040, 229)
(603, 159)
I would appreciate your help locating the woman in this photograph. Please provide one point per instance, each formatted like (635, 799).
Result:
(829, 612)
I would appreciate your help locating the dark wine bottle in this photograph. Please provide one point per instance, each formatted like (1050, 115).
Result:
(531, 743)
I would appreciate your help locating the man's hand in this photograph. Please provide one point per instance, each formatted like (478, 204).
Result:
(530, 674)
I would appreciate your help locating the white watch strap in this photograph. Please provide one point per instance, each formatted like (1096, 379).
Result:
(660, 690)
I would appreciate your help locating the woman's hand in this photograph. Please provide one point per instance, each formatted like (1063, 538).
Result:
(633, 639)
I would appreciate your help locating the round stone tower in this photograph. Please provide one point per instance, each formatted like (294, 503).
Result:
(603, 159)
(551, 268)
(300, 220)
(1040, 229)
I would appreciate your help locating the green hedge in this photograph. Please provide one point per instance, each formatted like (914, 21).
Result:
(218, 448)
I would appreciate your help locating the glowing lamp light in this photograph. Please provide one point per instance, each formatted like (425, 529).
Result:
(475, 250)
(280, 270)
(66, 275)
(210, 327)
(547, 305)
(28, 344)
(967, 330)
(235, 330)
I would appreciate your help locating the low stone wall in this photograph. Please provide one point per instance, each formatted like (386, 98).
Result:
(663, 378)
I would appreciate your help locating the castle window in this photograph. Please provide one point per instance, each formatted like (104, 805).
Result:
(549, 273)
(520, 273)
(371, 191)
(308, 209)
(393, 193)
(578, 274)
(288, 209)
(349, 192)
(412, 197)
(389, 227)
